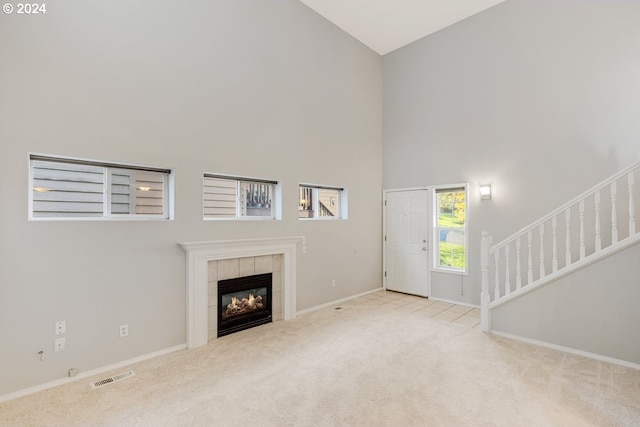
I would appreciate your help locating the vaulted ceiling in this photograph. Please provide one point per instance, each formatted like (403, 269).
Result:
(386, 25)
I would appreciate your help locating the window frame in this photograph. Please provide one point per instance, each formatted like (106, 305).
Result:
(239, 181)
(107, 196)
(342, 203)
(436, 229)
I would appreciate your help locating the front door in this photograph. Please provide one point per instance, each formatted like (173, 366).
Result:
(406, 241)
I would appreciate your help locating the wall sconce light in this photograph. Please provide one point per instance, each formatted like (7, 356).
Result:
(485, 192)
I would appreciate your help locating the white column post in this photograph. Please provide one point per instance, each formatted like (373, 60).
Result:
(582, 237)
(567, 221)
(541, 232)
(632, 209)
(614, 213)
(598, 239)
(518, 272)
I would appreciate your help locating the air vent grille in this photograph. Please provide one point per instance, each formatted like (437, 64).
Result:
(112, 379)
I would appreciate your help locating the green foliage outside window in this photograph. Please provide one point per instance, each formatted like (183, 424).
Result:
(451, 228)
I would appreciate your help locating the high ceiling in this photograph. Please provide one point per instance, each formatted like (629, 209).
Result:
(386, 25)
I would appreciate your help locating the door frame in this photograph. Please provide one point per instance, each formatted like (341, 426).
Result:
(429, 191)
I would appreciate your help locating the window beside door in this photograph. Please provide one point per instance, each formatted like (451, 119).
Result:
(450, 229)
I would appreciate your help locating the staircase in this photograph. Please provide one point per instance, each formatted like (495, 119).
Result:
(598, 223)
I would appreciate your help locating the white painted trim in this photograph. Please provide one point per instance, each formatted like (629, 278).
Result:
(92, 372)
(569, 350)
(435, 252)
(199, 254)
(405, 189)
(449, 301)
(338, 301)
(578, 265)
(565, 206)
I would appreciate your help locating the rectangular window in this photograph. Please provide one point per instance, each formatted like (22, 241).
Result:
(450, 226)
(71, 188)
(318, 202)
(238, 198)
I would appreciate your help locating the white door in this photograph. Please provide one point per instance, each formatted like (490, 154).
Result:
(406, 241)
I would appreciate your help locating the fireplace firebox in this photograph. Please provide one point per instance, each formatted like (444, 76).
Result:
(243, 303)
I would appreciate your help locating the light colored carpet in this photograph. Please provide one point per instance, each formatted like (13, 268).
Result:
(369, 364)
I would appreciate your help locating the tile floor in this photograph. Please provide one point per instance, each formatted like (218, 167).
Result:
(421, 306)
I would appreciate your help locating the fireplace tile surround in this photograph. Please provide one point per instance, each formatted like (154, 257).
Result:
(241, 267)
(200, 254)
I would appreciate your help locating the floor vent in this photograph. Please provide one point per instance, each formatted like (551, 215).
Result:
(112, 379)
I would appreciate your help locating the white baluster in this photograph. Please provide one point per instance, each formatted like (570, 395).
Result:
(567, 221)
(554, 247)
(598, 239)
(541, 232)
(518, 274)
(632, 209)
(497, 289)
(582, 238)
(614, 213)
(507, 283)
(530, 261)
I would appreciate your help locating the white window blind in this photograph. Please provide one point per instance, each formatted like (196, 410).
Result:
(235, 197)
(220, 198)
(69, 188)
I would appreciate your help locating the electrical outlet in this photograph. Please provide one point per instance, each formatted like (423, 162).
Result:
(61, 327)
(59, 344)
(333, 283)
(124, 330)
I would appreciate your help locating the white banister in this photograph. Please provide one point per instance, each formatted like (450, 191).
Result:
(570, 203)
(614, 213)
(518, 273)
(541, 232)
(496, 291)
(588, 231)
(554, 248)
(598, 238)
(530, 260)
(567, 221)
(507, 283)
(582, 235)
(632, 209)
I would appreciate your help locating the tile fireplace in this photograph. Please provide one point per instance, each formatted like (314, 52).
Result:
(199, 254)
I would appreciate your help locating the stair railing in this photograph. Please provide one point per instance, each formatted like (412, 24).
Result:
(544, 250)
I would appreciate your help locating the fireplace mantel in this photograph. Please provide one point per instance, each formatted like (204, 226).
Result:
(198, 254)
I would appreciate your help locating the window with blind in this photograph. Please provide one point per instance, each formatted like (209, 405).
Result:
(75, 189)
(450, 225)
(318, 202)
(226, 197)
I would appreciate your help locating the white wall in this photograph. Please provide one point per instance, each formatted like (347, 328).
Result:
(246, 87)
(540, 98)
(593, 310)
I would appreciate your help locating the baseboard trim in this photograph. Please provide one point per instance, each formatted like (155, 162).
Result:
(90, 373)
(338, 301)
(570, 350)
